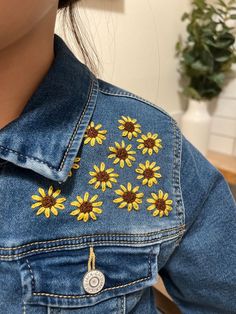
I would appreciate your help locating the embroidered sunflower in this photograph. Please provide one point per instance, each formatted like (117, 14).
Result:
(49, 203)
(147, 173)
(160, 204)
(86, 207)
(103, 177)
(149, 143)
(129, 127)
(129, 197)
(74, 166)
(93, 134)
(122, 154)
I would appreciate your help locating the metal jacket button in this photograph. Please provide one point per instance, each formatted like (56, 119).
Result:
(93, 281)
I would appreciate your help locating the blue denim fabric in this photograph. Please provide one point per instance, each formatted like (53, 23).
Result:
(68, 184)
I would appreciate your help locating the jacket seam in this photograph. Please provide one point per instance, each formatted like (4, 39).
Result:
(75, 246)
(138, 235)
(137, 97)
(176, 177)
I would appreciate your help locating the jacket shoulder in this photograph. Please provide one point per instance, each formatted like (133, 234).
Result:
(120, 95)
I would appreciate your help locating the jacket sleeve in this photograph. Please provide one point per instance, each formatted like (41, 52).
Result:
(200, 275)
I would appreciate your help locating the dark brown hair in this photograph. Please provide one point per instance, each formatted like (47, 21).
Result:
(69, 9)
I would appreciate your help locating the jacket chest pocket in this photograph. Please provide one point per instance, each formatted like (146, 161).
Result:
(93, 279)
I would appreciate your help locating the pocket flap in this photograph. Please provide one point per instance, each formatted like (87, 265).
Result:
(56, 278)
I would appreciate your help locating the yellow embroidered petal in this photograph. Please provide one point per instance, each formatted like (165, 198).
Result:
(50, 190)
(97, 203)
(60, 206)
(56, 193)
(92, 215)
(122, 163)
(47, 212)
(42, 192)
(109, 184)
(86, 196)
(129, 164)
(160, 194)
(98, 183)
(129, 186)
(151, 207)
(54, 211)
(103, 186)
(99, 140)
(166, 212)
(122, 205)
(75, 212)
(130, 206)
(97, 210)
(156, 212)
(98, 126)
(94, 198)
(36, 204)
(40, 211)
(136, 207)
(93, 140)
(61, 199)
(165, 196)
(79, 199)
(123, 187)
(119, 192)
(118, 200)
(155, 196)
(81, 216)
(36, 197)
(151, 200)
(93, 180)
(135, 189)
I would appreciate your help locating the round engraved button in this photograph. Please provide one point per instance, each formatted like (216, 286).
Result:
(93, 281)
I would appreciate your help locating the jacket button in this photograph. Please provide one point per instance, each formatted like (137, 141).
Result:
(93, 281)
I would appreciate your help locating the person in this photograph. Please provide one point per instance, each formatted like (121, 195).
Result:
(99, 189)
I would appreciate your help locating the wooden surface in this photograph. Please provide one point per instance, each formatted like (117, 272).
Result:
(226, 164)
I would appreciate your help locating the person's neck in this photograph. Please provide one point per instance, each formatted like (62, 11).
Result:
(23, 65)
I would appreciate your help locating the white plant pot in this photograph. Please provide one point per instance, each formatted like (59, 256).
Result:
(196, 124)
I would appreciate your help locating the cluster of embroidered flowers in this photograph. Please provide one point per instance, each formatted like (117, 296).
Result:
(103, 177)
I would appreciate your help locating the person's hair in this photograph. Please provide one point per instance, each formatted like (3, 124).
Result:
(68, 7)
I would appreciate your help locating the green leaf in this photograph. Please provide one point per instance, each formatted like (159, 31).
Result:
(218, 78)
(222, 3)
(184, 16)
(233, 16)
(192, 93)
(223, 55)
(200, 68)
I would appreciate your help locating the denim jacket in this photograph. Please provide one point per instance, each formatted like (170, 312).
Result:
(100, 192)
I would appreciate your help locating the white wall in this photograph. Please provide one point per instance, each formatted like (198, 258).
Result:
(135, 41)
(223, 130)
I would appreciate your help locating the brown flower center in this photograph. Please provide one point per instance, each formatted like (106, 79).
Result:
(103, 176)
(48, 201)
(129, 197)
(86, 207)
(122, 153)
(129, 126)
(92, 132)
(148, 173)
(160, 204)
(149, 143)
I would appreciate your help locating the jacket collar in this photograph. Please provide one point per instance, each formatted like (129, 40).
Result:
(47, 135)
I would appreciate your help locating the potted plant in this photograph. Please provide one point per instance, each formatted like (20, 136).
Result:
(206, 57)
